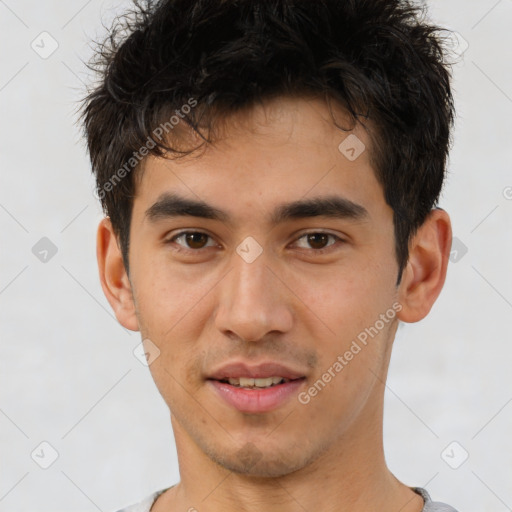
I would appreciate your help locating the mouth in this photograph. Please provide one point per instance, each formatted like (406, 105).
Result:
(255, 388)
(254, 383)
(256, 395)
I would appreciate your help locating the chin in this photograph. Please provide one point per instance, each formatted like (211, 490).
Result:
(253, 462)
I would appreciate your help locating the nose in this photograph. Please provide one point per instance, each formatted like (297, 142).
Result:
(253, 302)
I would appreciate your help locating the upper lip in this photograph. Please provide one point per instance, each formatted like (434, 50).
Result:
(259, 371)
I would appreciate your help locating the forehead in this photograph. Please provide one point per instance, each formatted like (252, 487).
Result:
(285, 149)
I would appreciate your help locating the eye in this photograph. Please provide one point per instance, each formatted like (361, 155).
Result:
(317, 241)
(192, 240)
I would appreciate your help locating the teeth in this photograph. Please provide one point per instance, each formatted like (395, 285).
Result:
(247, 382)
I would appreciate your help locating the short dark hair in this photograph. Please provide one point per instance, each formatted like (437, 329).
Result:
(381, 60)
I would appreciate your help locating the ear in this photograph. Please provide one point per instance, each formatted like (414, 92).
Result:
(114, 279)
(425, 273)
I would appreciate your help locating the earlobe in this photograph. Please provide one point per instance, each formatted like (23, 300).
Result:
(113, 277)
(425, 273)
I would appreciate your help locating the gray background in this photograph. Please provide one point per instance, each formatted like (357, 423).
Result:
(68, 375)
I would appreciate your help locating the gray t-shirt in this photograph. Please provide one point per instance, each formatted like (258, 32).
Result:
(430, 506)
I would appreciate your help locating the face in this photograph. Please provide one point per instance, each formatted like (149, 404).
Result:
(271, 247)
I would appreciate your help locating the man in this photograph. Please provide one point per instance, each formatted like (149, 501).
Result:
(270, 174)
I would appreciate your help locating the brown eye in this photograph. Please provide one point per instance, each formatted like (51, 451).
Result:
(192, 240)
(318, 240)
(196, 240)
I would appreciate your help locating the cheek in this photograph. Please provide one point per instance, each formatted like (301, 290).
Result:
(168, 296)
(348, 370)
(177, 373)
(344, 319)
(343, 303)
(171, 311)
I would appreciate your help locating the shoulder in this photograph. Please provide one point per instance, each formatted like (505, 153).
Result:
(144, 505)
(432, 506)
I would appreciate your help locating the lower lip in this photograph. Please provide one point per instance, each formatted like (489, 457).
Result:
(257, 400)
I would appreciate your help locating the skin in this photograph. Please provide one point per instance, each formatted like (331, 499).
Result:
(205, 306)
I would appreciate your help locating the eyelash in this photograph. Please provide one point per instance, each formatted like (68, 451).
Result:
(182, 249)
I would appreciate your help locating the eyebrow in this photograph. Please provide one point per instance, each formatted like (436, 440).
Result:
(171, 205)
